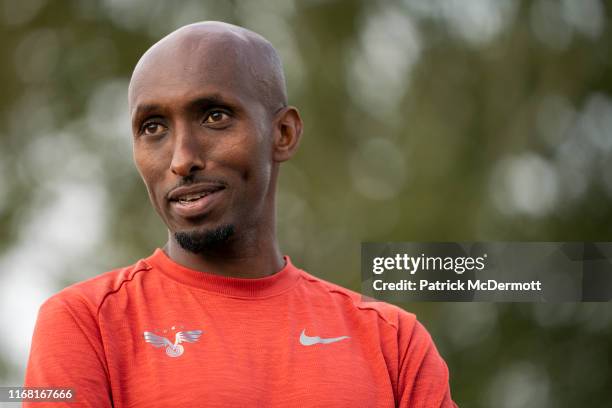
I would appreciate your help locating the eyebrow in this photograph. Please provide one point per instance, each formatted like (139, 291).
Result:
(198, 102)
(210, 100)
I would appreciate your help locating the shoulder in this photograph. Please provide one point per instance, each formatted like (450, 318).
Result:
(398, 333)
(361, 306)
(90, 294)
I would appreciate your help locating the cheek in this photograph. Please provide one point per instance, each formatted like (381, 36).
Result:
(248, 155)
(150, 158)
(257, 175)
(149, 168)
(257, 168)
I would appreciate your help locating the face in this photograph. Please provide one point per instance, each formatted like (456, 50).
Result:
(202, 141)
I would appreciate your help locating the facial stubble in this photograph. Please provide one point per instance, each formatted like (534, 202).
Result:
(200, 242)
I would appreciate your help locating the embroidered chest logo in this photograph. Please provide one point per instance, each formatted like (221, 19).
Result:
(173, 349)
(306, 340)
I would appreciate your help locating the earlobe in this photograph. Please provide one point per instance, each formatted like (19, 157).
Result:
(287, 134)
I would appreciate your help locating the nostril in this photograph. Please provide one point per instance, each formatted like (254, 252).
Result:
(186, 155)
(185, 168)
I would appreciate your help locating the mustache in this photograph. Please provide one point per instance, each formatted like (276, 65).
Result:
(191, 181)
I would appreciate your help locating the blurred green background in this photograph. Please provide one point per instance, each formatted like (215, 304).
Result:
(444, 120)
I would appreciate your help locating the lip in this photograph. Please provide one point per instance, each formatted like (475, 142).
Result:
(197, 207)
(209, 188)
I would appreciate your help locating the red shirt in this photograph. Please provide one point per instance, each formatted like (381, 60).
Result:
(159, 334)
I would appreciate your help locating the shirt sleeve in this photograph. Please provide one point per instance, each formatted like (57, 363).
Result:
(67, 352)
(424, 377)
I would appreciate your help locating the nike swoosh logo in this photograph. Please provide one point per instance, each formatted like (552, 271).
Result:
(312, 340)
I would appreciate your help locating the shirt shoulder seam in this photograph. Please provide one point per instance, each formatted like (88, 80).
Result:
(124, 281)
(331, 288)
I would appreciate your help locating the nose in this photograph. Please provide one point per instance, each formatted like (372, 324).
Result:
(187, 154)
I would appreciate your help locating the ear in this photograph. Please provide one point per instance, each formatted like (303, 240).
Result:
(287, 134)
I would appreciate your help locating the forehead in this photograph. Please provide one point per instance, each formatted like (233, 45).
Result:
(176, 72)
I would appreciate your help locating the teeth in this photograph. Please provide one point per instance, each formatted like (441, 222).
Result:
(192, 197)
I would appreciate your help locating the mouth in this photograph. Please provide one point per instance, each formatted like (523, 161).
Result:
(195, 201)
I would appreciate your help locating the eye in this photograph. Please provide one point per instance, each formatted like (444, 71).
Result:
(152, 128)
(215, 116)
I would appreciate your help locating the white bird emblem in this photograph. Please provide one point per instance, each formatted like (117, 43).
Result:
(173, 350)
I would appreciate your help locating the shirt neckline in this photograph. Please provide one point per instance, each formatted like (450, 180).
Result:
(223, 285)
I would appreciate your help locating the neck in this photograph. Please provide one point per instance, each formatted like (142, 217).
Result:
(254, 257)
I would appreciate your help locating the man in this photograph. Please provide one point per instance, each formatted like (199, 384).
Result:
(219, 317)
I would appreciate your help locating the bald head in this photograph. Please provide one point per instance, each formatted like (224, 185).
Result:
(216, 53)
(209, 111)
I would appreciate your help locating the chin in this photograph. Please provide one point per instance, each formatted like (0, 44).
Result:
(204, 239)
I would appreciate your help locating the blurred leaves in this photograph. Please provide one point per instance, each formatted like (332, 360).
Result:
(424, 121)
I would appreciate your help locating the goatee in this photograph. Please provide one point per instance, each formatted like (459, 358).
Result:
(199, 242)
